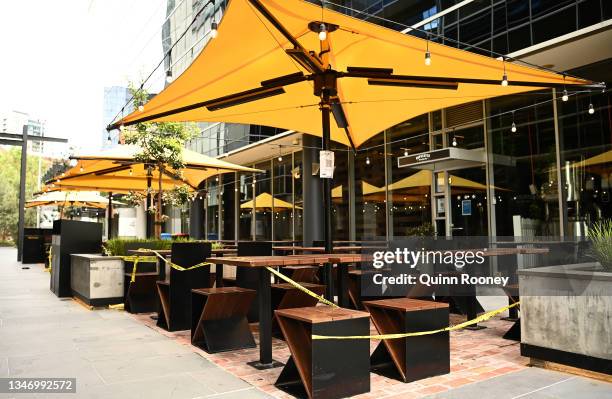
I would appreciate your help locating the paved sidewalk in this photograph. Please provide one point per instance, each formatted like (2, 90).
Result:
(110, 353)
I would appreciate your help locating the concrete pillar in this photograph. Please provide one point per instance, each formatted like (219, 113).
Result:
(196, 219)
(312, 220)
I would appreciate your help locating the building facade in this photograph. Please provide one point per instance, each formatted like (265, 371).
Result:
(115, 97)
(521, 165)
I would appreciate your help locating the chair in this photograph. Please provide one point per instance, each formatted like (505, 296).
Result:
(175, 294)
(218, 321)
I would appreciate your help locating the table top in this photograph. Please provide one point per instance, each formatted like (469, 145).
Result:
(339, 248)
(405, 304)
(221, 290)
(321, 314)
(288, 260)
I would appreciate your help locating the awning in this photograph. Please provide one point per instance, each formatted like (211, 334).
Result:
(117, 170)
(70, 198)
(251, 53)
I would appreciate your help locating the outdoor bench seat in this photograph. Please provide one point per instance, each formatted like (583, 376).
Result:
(411, 358)
(286, 296)
(218, 318)
(325, 368)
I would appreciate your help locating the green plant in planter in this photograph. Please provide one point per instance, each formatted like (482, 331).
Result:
(118, 246)
(600, 235)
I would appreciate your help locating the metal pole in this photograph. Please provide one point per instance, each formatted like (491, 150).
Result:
(149, 226)
(22, 183)
(110, 215)
(325, 110)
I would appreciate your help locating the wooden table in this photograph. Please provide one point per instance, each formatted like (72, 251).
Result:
(264, 290)
(335, 249)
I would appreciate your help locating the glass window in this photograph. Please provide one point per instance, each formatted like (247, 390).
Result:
(409, 189)
(524, 165)
(554, 25)
(245, 228)
(519, 38)
(340, 196)
(283, 198)
(212, 209)
(589, 13)
(517, 12)
(587, 161)
(370, 204)
(476, 28)
(262, 203)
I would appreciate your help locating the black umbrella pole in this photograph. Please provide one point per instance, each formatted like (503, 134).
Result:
(328, 274)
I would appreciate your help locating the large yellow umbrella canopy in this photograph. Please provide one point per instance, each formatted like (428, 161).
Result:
(266, 201)
(70, 198)
(117, 170)
(262, 40)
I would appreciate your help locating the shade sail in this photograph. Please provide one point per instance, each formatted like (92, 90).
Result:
(117, 170)
(69, 198)
(250, 50)
(265, 201)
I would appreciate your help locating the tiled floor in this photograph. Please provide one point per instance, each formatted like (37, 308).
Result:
(475, 356)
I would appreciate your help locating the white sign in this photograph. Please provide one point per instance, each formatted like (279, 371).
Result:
(326, 159)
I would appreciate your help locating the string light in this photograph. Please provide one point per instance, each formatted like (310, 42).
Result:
(504, 81)
(108, 138)
(406, 152)
(141, 108)
(367, 160)
(280, 156)
(427, 54)
(513, 128)
(454, 141)
(322, 32)
(81, 169)
(591, 109)
(131, 172)
(169, 76)
(565, 96)
(214, 30)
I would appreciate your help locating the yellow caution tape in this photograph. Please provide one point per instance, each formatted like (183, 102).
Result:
(301, 288)
(135, 259)
(174, 265)
(482, 317)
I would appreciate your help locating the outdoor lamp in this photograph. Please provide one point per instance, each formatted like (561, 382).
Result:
(513, 128)
(504, 81)
(141, 108)
(169, 76)
(591, 109)
(322, 32)
(214, 30)
(367, 160)
(427, 58)
(565, 96)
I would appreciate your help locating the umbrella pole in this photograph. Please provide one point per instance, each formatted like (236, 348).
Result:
(149, 225)
(325, 119)
(110, 215)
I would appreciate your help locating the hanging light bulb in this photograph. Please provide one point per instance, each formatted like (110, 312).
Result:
(367, 160)
(81, 169)
(322, 32)
(454, 141)
(565, 96)
(405, 152)
(169, 76)
(280, 155)
(504, 81)
(591, 109)
(141, 108)
(214, 30)
(427, 58)
(131, 172)
(280, 158)
(108, 138)
(513, 128)
(121, 128)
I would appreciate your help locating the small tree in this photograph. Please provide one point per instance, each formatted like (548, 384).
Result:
(161, 146)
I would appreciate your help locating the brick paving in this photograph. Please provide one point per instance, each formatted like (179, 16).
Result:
(475, 356)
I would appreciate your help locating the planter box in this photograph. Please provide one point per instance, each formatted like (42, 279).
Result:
(566, 315)
(97, 280)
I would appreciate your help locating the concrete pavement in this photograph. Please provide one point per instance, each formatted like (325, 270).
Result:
(110, 353)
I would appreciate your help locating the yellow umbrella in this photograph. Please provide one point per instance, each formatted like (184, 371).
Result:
(422, 179)
(117, 170)
(79, 199)
(265, 201)
(605, 157)
(372, 77)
